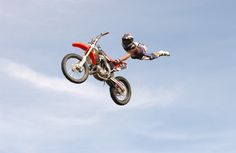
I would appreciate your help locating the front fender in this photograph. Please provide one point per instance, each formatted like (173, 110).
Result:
(83, 46)
(86, 47)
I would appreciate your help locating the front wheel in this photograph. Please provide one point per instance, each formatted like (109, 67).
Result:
(118, 95)
(72, 71)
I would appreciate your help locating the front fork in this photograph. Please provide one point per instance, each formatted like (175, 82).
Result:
(79, 65)
(115, 82)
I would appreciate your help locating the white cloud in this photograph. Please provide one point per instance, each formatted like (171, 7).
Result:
(141, 98)
(155, 97)
(37, 80)
(170, 135)
(25, 130)
(68, 121)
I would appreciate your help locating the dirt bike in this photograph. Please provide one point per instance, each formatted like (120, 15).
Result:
(96, 62)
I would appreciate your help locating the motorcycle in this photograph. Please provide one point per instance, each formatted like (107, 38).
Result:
(96, 62)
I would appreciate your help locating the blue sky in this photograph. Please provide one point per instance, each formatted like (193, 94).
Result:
(180, 104)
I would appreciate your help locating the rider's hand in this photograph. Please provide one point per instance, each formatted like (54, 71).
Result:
(118, 61)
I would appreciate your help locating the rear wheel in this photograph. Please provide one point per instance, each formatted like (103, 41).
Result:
(72, 71)
(118, 95)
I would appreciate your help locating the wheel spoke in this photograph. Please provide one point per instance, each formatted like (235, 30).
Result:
(121, 95)
(69, 66)
(70, 72)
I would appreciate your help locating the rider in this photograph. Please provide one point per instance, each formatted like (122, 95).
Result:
(137, 50)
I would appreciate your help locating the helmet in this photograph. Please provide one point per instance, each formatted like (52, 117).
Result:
(128, 42)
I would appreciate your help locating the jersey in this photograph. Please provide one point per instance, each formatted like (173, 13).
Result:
(139, 52)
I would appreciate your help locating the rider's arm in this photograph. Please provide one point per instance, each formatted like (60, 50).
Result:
(125, 57)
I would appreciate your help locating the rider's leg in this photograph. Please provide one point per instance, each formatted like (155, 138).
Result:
(147, 56)
(154, 55)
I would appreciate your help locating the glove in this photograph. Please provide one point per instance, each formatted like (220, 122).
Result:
(118, 61)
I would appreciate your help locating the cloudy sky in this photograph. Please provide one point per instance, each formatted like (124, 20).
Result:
(180, 104)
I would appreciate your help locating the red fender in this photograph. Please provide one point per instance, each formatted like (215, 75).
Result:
(86, 47)
(83, 46)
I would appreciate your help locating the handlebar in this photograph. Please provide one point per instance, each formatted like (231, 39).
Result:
(104, 33)
(98, 37)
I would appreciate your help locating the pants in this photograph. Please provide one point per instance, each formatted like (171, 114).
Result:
(149, 56)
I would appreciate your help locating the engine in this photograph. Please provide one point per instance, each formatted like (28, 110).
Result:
(102, 71)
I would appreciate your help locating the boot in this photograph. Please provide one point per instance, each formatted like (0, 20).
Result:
(161, 53)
